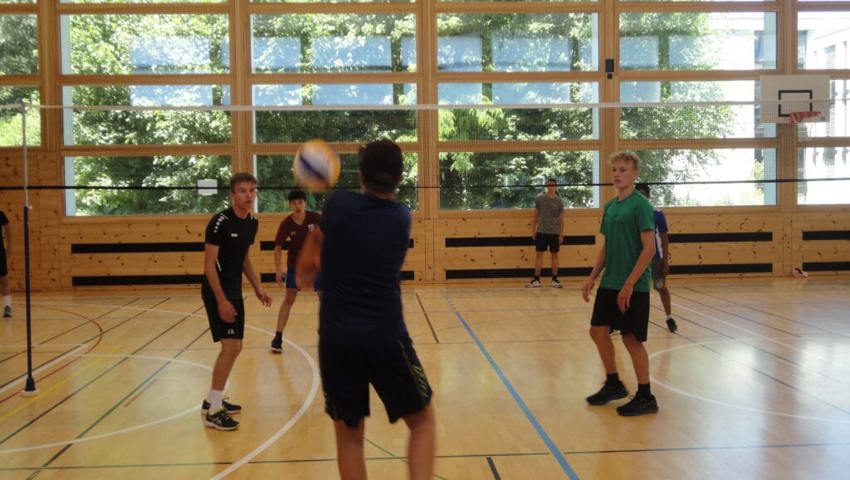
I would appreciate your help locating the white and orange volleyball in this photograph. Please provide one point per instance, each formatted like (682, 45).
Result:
(316, 166)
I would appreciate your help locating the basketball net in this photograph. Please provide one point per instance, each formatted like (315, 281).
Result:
(801, 117)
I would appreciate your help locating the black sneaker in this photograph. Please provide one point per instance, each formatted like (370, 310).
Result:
(220, 420)
(230, 408)
(671, 325)
(7, 311)
(277, 345)
(608, 393)
(638, 406)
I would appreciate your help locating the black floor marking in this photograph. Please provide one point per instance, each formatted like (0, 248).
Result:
(427, 318)
(493, 468)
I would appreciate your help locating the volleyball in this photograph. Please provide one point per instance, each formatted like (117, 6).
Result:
(316, 166)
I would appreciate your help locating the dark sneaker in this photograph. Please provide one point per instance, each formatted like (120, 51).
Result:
(638, 406)
(230, 408)
(7, 311)
(277, 345)
(220, 420)
(608, 393)
(671, 325)
(556, 283)
(533, 284)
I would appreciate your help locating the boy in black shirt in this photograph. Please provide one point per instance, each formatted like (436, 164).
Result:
(228, 237)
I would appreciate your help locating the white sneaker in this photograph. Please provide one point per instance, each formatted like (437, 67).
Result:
(533, 284)
(556, 283)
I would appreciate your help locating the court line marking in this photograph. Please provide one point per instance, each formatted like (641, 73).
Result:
(703, 398)
(62, 443)
(14, 382)
(550, 445)
(764, 337)
(235, 465)
(314, 388)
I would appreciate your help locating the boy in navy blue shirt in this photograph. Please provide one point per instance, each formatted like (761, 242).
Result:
(661, 260)
(363, 239)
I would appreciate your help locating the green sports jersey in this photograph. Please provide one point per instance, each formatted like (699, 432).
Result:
(622, 223)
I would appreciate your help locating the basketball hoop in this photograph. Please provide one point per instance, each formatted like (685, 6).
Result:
(800, 117)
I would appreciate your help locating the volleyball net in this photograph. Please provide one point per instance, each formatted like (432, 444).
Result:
(147, 158)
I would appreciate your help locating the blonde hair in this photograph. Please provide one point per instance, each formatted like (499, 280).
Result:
(625, 156)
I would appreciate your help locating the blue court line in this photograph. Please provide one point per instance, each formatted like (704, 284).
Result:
(519, 401)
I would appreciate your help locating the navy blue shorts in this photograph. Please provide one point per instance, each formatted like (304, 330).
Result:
(658, 278)
(4, 268)
(218, 327)
(393, 370)
(635, 320)
(290, 280)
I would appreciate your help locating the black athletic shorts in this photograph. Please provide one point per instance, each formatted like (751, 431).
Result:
(218, 327)
(393, 370)
(544, 241)
(635, 320)
(4, 269)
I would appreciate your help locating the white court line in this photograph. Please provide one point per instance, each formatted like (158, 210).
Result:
(45, 345)
(120, 307)
(45, 366)
(62, 443)
(764, 337)
(658, 382)
(314, 387)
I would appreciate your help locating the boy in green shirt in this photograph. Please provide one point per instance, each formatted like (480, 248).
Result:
(622, 300)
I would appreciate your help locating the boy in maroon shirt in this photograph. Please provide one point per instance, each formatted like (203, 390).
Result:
(293, 228)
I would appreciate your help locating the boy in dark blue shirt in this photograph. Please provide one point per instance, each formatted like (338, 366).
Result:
(363, 239)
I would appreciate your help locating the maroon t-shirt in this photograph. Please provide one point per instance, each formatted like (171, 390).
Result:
(296, 234)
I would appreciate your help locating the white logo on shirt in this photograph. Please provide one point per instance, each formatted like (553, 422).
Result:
(310, 227)
(234, 235)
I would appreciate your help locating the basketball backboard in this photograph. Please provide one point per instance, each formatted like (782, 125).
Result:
(781, 95)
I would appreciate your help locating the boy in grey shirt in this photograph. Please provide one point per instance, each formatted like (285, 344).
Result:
(547, 227)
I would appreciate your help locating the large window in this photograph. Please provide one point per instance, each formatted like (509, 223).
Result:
(710, 177)
(517, 42)
(18, 57)
(154, 44)
(334, 125)
(698, 41)
(487, 97)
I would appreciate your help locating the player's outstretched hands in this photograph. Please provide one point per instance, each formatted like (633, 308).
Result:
(279, 277)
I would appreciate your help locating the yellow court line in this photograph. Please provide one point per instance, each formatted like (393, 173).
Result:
(56, 385)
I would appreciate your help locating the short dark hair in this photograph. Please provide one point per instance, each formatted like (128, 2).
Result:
(381, 165)
(551, 180)
(241, 177)
(642, 187)
(296, 195)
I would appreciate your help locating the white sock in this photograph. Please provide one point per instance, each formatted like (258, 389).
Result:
(215, 398)
(7, 300)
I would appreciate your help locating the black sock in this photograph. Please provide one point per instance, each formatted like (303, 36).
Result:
(278, 335)
(537, 277)
(612, 379)
(643, 390)
(555, 278)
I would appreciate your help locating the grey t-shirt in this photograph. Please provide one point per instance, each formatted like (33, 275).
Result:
(549, 211)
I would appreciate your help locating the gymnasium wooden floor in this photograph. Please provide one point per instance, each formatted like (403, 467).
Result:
(755, 384)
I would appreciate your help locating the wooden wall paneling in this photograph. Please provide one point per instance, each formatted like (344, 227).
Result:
(821, 238)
